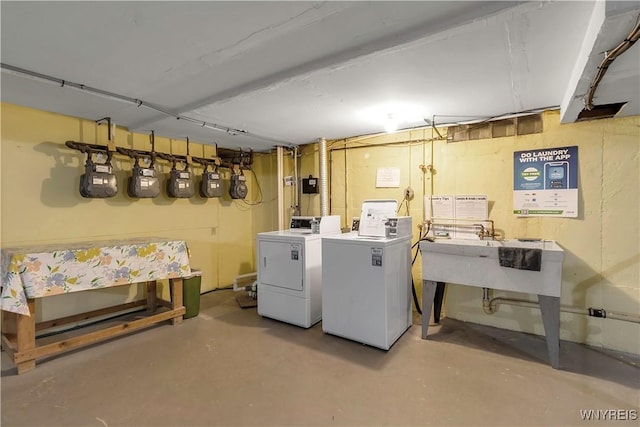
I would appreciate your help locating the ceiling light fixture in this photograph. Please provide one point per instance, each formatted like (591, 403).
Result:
(390, 124)
(392, 116)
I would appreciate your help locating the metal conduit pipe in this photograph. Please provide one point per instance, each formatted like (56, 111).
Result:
(138, 102)
(296, 187)
(324, 176)
(280, 173)
(490, 306)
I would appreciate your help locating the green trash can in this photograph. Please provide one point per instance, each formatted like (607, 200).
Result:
(191, 293)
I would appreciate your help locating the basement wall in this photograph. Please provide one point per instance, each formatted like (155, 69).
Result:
(41, 204)
(602, 249)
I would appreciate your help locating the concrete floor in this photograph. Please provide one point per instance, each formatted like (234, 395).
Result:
(229, 366)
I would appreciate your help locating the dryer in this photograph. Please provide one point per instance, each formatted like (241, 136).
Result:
(290, 270)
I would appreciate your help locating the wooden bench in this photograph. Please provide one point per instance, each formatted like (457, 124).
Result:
(19, 331)
(32, 273)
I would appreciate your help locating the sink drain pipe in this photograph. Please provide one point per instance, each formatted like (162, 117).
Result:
(490, 306)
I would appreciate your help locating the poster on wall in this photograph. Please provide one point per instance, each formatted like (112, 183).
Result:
(545, 182)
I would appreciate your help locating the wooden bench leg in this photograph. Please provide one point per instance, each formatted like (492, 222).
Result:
(26, 337)
(152, 297)
(9, 326)
(175, 286)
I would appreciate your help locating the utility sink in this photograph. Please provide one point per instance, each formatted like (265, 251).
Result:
(476, 263)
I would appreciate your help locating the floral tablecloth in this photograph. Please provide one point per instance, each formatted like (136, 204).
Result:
(40, 271)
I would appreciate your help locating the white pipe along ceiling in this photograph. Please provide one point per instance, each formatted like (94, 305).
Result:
(254, 75)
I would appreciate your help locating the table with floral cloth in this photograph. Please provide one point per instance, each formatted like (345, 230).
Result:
(31, 272)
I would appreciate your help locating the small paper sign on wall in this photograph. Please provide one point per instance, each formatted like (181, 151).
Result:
(388, 178)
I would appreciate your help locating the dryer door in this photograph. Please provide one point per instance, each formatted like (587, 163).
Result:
(281, 264)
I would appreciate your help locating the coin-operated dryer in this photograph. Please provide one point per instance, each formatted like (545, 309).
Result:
(290, 270)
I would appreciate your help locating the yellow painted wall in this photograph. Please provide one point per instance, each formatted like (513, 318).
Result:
(601, 265)
(264, 194)
(41, 203)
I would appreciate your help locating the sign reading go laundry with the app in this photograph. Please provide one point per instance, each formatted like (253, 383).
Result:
(545, 182)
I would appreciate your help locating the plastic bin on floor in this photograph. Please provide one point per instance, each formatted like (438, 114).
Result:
(191, 293)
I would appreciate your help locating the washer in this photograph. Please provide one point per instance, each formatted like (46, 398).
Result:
(290, 270)
(366, 279)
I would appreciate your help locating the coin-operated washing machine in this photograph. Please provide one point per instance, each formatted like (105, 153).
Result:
(290, 270)
(366, 278)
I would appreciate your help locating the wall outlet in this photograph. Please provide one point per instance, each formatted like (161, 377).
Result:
(408, 193)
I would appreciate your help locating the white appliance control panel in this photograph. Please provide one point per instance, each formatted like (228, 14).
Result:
(315, 224)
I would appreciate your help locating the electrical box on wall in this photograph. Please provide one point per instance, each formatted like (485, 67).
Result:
(310, 185)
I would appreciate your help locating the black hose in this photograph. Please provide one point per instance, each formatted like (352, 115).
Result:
(415, 297)
(413, 285)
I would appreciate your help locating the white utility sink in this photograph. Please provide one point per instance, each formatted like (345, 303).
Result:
(476, 263)
(530, 266)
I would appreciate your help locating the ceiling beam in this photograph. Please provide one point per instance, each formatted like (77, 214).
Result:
(479, 10)
(610, 23)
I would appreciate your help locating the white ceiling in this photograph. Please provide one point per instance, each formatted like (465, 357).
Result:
(287, 73)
